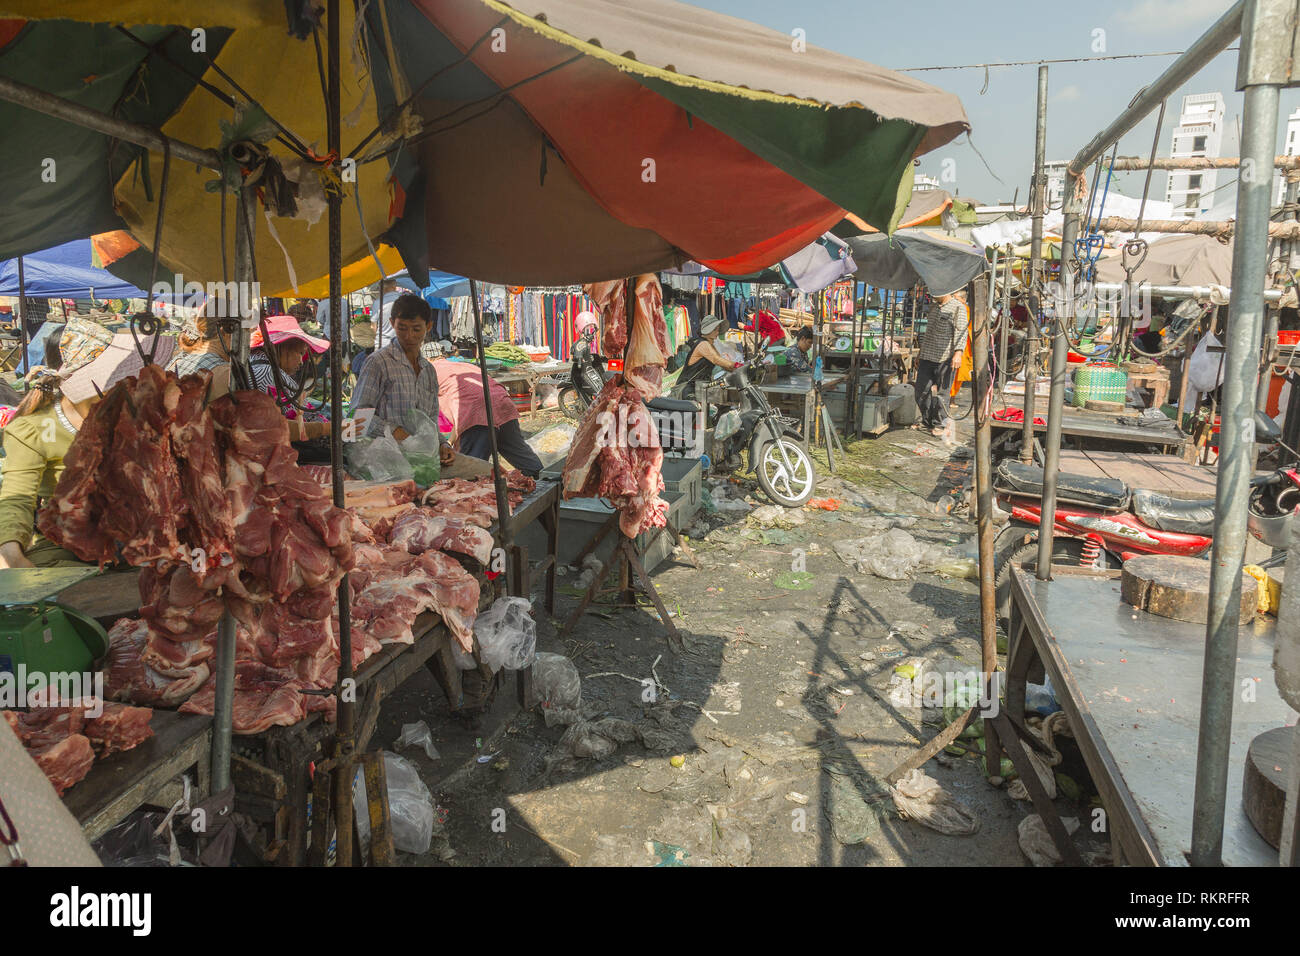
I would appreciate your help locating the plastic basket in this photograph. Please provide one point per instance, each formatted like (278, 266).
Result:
(1099, 382)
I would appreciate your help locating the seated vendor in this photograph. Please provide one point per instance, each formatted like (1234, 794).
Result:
(770, 331)
(397, 378)
(703, 357)
(37, 440)
(199, 349)
(460, 396)
(796, 356)
(290, 345)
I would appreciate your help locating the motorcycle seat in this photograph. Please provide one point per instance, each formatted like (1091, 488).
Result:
(1106, 494)
(665, 404)
(1183, 515)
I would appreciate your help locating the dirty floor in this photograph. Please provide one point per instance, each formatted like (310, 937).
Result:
(766, 741)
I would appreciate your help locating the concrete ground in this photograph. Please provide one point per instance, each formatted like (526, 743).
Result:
(765, 742)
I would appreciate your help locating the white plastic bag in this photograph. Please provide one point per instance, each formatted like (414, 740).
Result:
(410, 805)
(558, 688)
(507, 634)
(1205, 368)
(419, 735)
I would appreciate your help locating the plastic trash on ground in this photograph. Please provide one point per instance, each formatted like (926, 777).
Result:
(892, 555)
(558, 688)
(507, 634)
(1036, 843)
(417, 735)
(410, 806)
(920, 797)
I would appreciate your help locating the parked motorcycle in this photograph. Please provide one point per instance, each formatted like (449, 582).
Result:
(778, 455)
(1101, 522)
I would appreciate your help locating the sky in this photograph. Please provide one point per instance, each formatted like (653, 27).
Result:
(1083, 98)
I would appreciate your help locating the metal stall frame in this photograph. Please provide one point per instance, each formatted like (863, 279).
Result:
(1267, 32)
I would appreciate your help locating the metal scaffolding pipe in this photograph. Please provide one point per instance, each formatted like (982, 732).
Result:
(1263, 65)
(1055, 411)
(1192, 163)
(30, 97)
(1213, 42)
(1201, 293)
(1038, 203)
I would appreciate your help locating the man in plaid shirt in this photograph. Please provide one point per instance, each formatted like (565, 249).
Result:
(942, 347)
(398, 378)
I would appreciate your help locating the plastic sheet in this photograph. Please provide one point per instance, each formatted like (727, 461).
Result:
(892, 555)
(507, 634)
(377, 459)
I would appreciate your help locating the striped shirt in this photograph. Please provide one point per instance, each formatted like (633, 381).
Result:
(390, 386)
(945, 331)
(189, 363)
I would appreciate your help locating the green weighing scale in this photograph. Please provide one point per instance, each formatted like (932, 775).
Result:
(39, 633)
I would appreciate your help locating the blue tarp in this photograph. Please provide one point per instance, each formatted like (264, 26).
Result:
(65, 272)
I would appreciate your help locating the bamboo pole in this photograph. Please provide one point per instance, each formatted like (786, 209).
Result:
(1196, 227)
(1131, 163)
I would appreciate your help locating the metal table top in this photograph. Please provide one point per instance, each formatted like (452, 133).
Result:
(1139, 678)
(800, 384)
(1084, 424)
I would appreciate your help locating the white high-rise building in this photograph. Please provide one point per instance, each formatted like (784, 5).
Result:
(1054, 173)
(1289, 148)
(1199, 133)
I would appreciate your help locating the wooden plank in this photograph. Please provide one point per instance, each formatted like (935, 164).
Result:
(1163, 474)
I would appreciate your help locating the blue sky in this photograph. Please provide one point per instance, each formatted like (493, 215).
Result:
(1083, 97)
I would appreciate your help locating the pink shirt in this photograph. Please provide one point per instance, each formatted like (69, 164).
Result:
(460, 396)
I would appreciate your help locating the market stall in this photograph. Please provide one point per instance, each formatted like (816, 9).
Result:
(876, 120)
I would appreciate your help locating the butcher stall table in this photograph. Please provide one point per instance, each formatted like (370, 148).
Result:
(122, 782)
(271, 771)
(1130, 685)
(1082, 425)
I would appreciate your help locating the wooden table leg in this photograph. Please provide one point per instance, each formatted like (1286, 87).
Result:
(629, 549)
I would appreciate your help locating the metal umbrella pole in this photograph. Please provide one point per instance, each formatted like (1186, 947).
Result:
(1056, 399)
(22, 314)
(345, 735)
(499, 479)
(1263, 66)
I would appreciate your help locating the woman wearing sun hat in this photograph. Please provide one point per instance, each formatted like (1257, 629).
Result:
(45, 424)
(291, 345)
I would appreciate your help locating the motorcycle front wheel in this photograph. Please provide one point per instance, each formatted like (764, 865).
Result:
(789, 487)
(571, 403)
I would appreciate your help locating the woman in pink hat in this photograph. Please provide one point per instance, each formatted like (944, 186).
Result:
(291, 345)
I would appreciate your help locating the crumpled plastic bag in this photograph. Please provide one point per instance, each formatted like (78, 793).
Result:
(507, 634)
(421, 447)
(598, 738)
(410, 805)
(419, 735)
(558, 688)
(1036, 843)
(892, 555)
(1057, 723)
(920, 797)
(377, 459)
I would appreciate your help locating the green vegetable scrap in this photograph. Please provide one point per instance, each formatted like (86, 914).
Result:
(794, 580)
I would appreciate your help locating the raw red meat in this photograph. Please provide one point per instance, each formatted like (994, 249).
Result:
(616, 455)
(648, 349)
(120, 727)
(128, 678)
(420, 531)
(611, 299)
(66, 761)
(265, 697)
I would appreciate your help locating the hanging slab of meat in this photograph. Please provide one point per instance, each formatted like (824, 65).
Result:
(647, 351)
(420, 531)
(71, 519)
(264, 697)
(194, 443)
(119, 727)
(611, 299)
(128, 678)
(616, 455)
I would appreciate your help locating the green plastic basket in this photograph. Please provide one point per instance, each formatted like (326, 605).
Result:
(1099, 382)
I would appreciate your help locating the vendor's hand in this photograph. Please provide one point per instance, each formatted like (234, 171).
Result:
(445, 454)
(956, 361)
(11, 556)
(401, 434)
